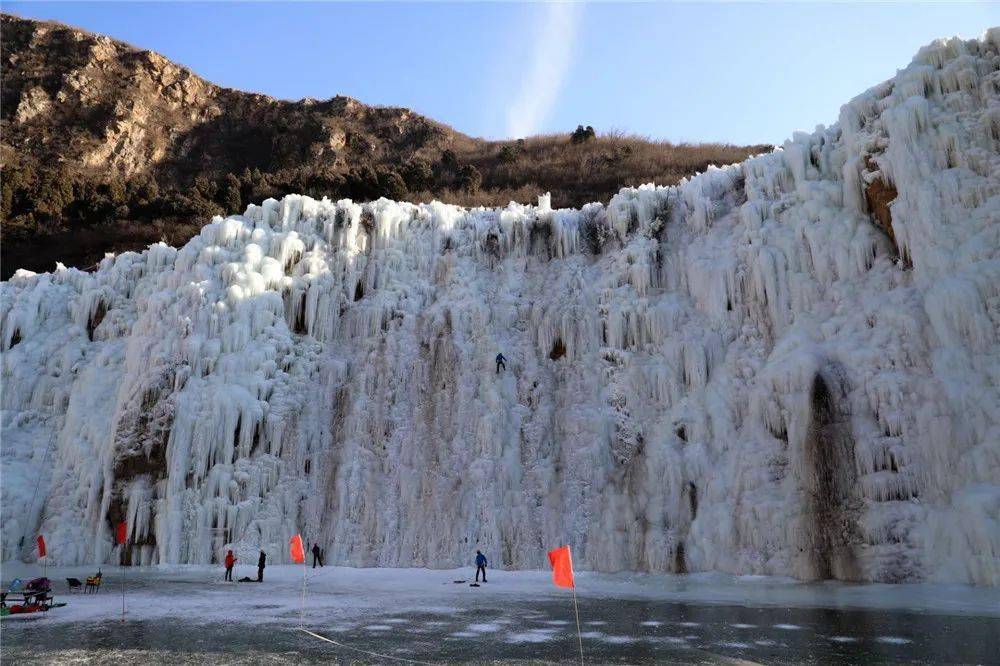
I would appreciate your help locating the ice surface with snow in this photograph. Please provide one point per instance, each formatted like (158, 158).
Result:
(788, 366)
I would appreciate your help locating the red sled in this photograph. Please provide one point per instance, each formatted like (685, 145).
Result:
(17, 609)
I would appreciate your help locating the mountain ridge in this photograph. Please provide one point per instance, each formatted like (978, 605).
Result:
(89, 68)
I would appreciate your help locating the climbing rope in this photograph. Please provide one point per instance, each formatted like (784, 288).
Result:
(38, 482)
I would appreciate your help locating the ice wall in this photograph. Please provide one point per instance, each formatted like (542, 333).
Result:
(785, 366)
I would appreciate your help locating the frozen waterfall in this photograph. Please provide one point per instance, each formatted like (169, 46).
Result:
(786, 366)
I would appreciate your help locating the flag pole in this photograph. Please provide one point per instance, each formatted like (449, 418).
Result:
(122, 562)
(302, 608)
(122, 532)
(576, 610)
(561, 560)
(298, 556)
(43, 554)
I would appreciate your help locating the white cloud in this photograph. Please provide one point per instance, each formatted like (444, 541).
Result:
(552, 54)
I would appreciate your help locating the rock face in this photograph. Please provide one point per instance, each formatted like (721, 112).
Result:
(739, 373)
(90, 100)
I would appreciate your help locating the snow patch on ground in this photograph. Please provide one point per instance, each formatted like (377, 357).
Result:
(533, 636)
(619, 640)
(485, 627)
(893, 640)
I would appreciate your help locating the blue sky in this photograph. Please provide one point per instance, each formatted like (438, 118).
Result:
(743, 73)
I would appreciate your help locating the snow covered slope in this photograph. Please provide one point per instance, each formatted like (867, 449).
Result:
(769, 368)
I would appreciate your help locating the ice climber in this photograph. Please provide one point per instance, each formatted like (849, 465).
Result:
(317, 555)
(480, 565)
(260, 567)
(501, 363)
(230, 561)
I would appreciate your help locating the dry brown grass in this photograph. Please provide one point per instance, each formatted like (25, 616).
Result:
(579, 173)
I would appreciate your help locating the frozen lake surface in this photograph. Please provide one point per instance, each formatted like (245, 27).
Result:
(188, 615)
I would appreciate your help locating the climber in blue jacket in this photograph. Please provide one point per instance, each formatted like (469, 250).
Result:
(480, 565)
(501, 363)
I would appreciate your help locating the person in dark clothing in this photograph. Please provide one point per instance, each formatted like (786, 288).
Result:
(230, 561)
(317, 555)
(501, 363)
(261, 561)
(480, 565)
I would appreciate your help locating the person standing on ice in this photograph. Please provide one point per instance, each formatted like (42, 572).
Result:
(317, 555)
(230, 561)
(260, 567)
(501, 363)
(480, 565)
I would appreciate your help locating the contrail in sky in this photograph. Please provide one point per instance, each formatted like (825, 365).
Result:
(552, 53)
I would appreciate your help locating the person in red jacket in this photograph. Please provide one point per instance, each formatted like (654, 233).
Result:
(230, 561)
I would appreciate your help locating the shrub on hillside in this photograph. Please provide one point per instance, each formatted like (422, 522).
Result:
(448, 158)
(230, 196)
(418, 175)
(392, 185)
(582, 134)
(469, 178)
(508, 154)
(362, 184)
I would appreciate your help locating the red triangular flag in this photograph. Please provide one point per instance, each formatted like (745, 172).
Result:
(295, 549)
(41, 546)
(122, 532)
(562, 567)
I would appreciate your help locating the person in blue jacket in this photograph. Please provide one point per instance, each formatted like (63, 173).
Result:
(501, 363)
(480, 565)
